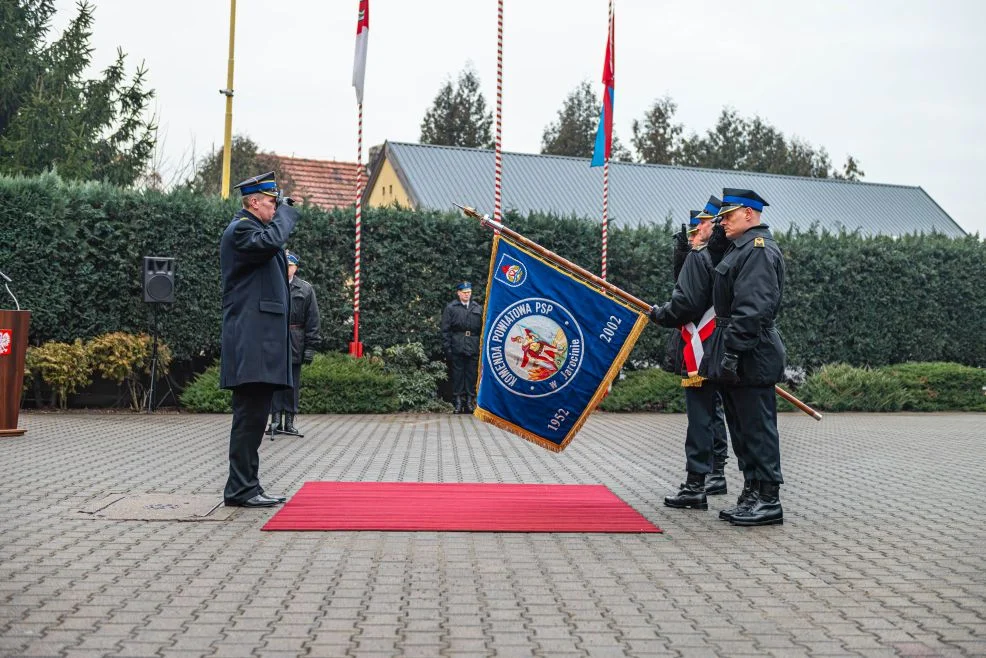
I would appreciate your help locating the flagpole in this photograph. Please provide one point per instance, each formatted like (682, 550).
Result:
(359, 74)
(498, 145)
(228, 93)
(356, 347)
(609, 39)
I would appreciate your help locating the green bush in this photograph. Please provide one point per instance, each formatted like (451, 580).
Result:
(841, 387)
(417, 377)
(203, 394)
(905, 387)
(646, 390)
(940, 386)
(339, 384)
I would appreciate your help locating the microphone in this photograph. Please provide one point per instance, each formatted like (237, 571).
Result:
(6, 278)
(7, 288)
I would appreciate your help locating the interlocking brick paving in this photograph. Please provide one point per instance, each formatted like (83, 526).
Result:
(881, 553)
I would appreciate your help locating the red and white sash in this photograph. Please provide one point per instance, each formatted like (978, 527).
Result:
(693, 337)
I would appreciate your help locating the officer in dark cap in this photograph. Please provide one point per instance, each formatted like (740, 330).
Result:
(255, 359)
(462, 321)
(303, 326)
(746, 355)
(690, 313)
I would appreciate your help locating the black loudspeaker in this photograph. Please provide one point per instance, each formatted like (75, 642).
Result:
(159, 280)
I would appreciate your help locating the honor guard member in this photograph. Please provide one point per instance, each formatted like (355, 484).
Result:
(462, 321)
(690, 313)
(255, 359)
(746, 355)
(303, 331)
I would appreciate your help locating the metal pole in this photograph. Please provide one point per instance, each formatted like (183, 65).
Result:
(356, 347)
(228, 93)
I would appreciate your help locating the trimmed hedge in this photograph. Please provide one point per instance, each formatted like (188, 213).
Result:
(646, 390)
(863, 301)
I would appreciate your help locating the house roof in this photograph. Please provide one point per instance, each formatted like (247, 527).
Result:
(324, 183)
(436, 177)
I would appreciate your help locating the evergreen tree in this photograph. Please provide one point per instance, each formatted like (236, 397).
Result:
(458, 115)
(51, 116)
(246, 160)
(574, 132)
(850, 171)
(657, 139)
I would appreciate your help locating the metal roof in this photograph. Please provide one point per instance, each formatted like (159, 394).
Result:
(435, 177)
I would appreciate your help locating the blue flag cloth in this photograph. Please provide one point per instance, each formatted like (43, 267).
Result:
(551, 346)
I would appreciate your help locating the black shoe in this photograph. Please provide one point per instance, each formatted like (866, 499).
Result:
(260, 500)
(289, 427)
(715, 483)
(746, 499)
(459, 407)
(280, 499)
(766, 510)
(691, 494)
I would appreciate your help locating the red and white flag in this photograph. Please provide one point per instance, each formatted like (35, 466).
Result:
(362, 37)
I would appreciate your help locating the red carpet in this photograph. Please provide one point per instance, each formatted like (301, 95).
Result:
(468, 507)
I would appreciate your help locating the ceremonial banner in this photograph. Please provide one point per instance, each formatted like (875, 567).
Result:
(551, 345)
(362, 39)
(603, 147)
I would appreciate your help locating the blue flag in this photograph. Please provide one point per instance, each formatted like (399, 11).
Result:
(551, 345)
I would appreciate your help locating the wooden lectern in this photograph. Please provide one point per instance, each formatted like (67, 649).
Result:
(13, 347)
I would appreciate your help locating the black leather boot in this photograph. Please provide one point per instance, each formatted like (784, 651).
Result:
(289, 427)
(276, 423)
(471, 404)
(691, 495)
(459, 407)
(766, 510)
(715, 482)
(751, 489)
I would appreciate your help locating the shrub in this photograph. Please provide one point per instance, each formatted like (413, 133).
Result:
(203, 394)
(940, 386)
(646, 390)
(339, 384)
(841, 387)
(64, 366)
(123, 357)
(417, 377)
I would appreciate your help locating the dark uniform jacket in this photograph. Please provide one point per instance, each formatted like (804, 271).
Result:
(457, 320)
(303, 322)
(691, 298)
(746, 290)
(255, 300)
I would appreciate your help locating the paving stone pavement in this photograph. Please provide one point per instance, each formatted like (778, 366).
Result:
(883, 551)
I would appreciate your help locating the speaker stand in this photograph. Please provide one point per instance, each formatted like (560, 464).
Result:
(154, 360)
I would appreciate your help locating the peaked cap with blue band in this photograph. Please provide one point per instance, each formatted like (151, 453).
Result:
(693, 220)
(733, 198)
(711, 208)
(293, 258)
(264, 183)
(465, 285)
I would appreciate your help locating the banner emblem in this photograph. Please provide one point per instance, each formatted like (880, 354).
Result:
(534, 347)
(6, 340)
(510, 271)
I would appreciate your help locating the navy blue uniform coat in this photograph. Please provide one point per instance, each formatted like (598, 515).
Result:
(255, 347)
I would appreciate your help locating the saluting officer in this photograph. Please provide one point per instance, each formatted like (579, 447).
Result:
(462, 321)
(255, 359)
(690, 313)
(747, 356)
(303, 330)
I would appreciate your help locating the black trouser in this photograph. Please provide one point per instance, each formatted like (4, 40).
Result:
(464, 371)
(751, 412)
(251, 404)
(287, 399)
(705, 440)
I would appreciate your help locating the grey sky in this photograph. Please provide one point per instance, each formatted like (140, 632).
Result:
(892, 82)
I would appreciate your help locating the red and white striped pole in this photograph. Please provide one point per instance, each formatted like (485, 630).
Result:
(606, 176)
(498, 144)
(356, 347)
(359, 74)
